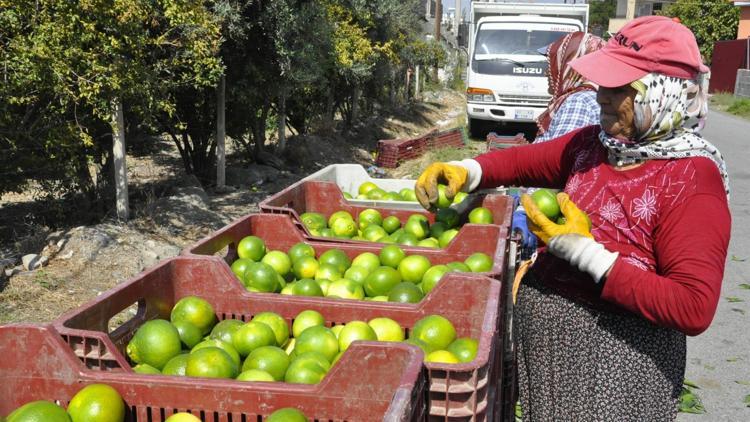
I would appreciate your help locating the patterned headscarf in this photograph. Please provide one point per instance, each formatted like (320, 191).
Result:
(668, 113)
(563, 80)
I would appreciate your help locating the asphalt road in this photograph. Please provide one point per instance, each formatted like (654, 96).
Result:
(718, 360)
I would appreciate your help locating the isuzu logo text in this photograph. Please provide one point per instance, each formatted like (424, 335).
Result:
(528, 70)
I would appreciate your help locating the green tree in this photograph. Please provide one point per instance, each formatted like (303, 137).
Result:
(254, 71)
(710, 21)
(600, 12)
(66, 63)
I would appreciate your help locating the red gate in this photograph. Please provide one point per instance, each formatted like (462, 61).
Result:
(728, 57)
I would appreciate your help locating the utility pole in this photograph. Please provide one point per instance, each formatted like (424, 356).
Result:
(458, 16)
(630, 11)
(438, 18)
(438, 21)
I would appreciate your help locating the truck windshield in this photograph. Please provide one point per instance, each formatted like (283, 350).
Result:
(512, 41)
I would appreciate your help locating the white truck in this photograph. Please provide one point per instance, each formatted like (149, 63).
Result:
(507, 76)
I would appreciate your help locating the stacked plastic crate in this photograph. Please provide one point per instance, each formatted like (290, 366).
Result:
(391, 152)
(495, 141)
(322, 192)
(371, 381)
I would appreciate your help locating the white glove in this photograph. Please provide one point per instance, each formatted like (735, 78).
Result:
(585, 253)
(475, 173)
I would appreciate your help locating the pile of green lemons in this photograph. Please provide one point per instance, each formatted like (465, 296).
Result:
(268, 348)
(391, 276)
(371, 191)
(371, 226)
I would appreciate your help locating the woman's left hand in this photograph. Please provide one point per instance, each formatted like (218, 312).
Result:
(576, 221)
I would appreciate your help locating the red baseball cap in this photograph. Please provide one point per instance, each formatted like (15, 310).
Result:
(649, 44)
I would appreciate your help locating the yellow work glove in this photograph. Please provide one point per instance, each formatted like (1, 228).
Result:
(576, 221)
(451, 175)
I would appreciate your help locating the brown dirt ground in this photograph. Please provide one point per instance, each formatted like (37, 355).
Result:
(42, 295)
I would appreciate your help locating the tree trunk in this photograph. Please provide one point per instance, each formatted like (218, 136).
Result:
(220, 134)
(356, 93)
(330, 109)
(260, 128)
(407, 86)
(118, 152)
(86, 182)
(417, 81)
(392, 91)
(282, 119)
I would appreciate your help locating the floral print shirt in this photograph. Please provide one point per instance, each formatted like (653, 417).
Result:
(668, 220)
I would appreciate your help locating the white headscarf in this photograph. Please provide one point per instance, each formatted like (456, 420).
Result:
(669, 112)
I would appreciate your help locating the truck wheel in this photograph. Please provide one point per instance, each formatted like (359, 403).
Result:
(478, 129)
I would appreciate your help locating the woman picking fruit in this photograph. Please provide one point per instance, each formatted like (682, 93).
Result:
(603, 313)
(573, 104)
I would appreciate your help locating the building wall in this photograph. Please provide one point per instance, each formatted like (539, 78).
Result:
(742, 85)
(743, 30)
(622, 7)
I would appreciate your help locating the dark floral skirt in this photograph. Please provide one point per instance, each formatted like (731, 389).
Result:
(576, 363)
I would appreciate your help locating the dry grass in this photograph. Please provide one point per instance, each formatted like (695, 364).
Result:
(413, 168)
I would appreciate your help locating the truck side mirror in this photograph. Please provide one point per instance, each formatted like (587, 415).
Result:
(462, 35)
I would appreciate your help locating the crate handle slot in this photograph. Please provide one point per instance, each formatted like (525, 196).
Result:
(150, 291)
(131, 321)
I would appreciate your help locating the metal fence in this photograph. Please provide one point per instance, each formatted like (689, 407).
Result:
(728, 58)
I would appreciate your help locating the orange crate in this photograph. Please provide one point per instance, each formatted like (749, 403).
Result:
(467, 391)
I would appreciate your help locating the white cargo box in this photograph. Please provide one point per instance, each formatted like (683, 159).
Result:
(348, 177)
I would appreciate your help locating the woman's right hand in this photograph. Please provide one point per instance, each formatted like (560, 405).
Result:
(453, 176)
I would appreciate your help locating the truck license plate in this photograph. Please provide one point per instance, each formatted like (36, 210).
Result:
(525, 114)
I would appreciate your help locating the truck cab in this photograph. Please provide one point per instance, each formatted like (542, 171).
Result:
(507, 75)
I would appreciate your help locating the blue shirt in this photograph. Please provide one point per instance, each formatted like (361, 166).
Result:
(579, 110)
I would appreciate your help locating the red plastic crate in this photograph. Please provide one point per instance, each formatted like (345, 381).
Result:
(279, 232)
(495, 141)
(467, 391)
(392, 151)
(37, 364)
(326, 198)
(448, 138)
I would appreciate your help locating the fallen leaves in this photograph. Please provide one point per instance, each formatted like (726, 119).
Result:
(734, 299)
(689, 401)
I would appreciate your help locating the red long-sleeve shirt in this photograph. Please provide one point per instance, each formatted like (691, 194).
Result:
(668, 219)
